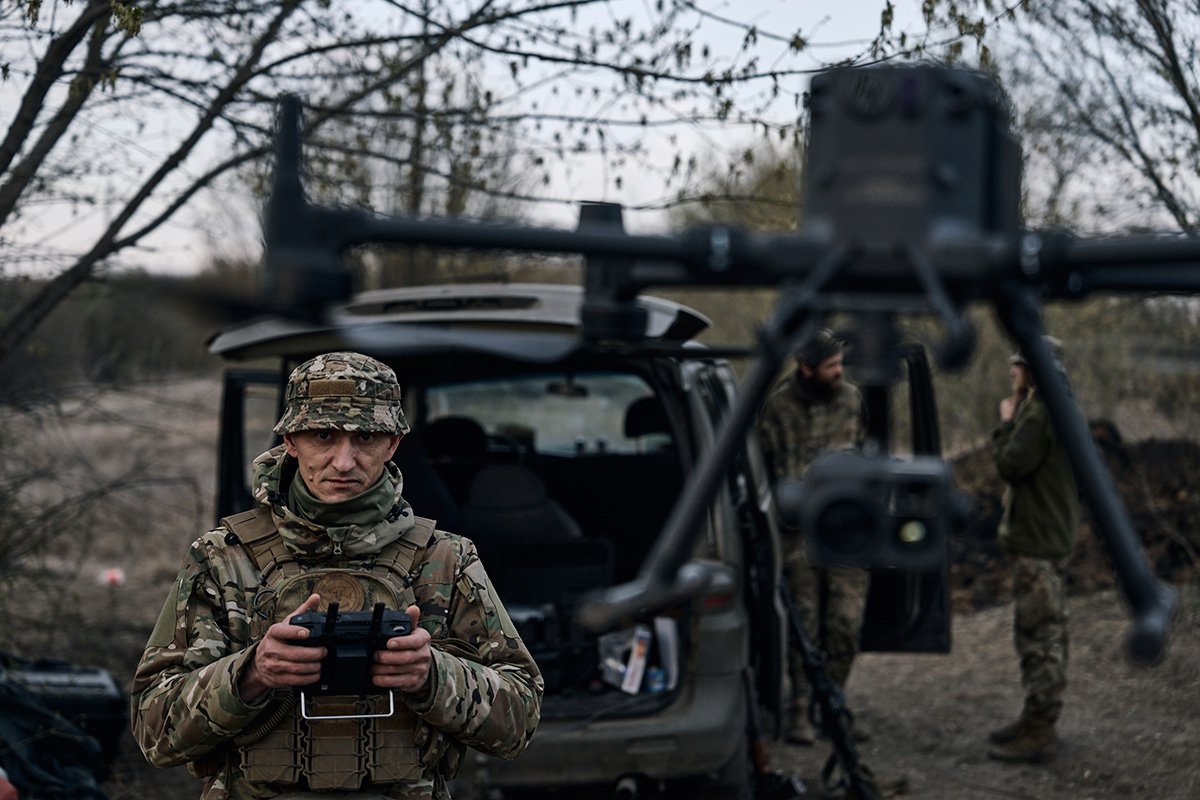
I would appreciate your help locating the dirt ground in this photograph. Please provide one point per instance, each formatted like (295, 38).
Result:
(1126, 731)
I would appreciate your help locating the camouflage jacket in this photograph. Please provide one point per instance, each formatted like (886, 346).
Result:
(1041, 506)
(794, 425)
(484, 691)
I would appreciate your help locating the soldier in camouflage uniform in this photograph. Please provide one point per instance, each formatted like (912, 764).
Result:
(1038, 527)
(216, 685)
(815, 410)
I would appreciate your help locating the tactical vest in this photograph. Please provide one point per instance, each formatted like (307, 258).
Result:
(329, 754)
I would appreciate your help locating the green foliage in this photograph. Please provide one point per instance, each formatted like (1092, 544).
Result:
(32, 10)
(128, 18)
(759, 191)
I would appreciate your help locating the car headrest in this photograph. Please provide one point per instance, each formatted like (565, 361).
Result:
(645, 416)
(508, 504)
(506, 486)
(455, 437)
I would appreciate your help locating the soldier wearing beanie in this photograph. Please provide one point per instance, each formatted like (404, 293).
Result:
(812, 411)
(216, 687)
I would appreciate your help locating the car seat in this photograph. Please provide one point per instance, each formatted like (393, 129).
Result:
(644, 417)
(457, 449)
(508, 506)
(424, 488)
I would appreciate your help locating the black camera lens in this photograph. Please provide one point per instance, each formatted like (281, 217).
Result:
(847, 527)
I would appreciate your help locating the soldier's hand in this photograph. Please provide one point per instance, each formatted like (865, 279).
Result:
(405, 663)
(277, 662)
(1008, 408)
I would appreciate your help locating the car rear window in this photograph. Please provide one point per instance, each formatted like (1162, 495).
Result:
(579, 414)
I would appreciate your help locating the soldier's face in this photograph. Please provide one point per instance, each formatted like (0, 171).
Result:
(1021, 380)
(337, 465)
(828, 372)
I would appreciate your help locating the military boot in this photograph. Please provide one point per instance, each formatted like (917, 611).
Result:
(1037, 743)
(1011, 731)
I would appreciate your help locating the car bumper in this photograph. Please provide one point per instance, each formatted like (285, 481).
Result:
(695, 735)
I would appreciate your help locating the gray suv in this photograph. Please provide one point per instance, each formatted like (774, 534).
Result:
(562, 461)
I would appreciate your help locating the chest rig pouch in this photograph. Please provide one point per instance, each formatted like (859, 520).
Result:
(341, 741)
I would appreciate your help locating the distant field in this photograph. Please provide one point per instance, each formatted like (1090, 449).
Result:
(129, 475)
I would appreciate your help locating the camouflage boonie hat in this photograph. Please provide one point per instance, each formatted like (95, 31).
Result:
(343, 391)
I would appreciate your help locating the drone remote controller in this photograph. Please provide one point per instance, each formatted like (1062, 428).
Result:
(352, 637)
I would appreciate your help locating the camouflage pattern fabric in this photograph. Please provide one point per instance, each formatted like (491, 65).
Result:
(1038, 527)
(1040, 635)
(484, 692)
(343, 391)
(837, 630)
(794, 427)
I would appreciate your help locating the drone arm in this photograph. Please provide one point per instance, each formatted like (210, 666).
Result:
(1071, 268)
(661, 576)
(664, 574)
(1153, 604)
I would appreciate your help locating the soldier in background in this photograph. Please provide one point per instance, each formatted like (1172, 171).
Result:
(216, 685)
(1038, 527)
(812, 411)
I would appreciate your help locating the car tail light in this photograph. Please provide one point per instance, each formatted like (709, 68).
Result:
(713, 602)
(721, 593)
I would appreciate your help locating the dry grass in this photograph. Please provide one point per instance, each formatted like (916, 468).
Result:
(119, 479)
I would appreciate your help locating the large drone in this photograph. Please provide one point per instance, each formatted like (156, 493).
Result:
(912, 208)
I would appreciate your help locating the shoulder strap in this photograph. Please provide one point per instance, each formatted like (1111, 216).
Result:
(402, 555)
(421, 531)
(261, 540)
(259, 537)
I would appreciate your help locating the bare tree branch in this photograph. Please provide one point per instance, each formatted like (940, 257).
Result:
(20, 324)
(413, 94)
(1122, 90)
(49, 70)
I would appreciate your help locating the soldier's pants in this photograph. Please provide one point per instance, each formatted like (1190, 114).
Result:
(1040, 634)
(831, 602)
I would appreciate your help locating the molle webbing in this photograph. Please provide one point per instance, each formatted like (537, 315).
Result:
(329, 754)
